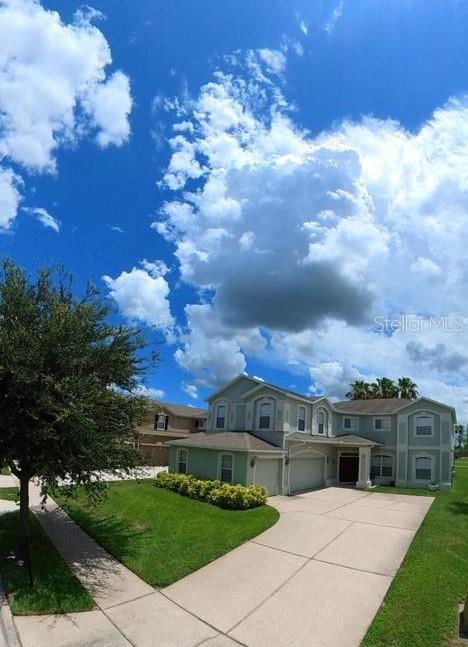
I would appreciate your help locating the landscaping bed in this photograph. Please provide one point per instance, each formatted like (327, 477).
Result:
(161, 535)
(420, 608)
(55, 590)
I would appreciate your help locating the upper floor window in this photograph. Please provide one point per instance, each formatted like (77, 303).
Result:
(226, 468)
(424, 425)
(264, 419)
(321, 422)
(381, 465)
(301, 418)
(220, 416)
(350, 424)
(160, 421)
(382, 424)
(423, 468)
(182, 461)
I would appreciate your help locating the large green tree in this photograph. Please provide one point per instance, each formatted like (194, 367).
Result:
(407, 388)
(66, 382)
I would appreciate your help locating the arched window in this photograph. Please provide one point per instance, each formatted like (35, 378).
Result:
(381, 465)
(226, 469)
(264, 415)
(321, 422)
(301, 418)
(220, 416)
(182, 461)
(423, 468)
(424, 425)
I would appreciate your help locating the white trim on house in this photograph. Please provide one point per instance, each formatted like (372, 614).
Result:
(229, 384)
(413, 465)
(220, 465)
(385, 419)
(304, 418)
(428, 416)
(216, 405)
(381, 455)
(179, 451)
(272, 402)
(352, 428)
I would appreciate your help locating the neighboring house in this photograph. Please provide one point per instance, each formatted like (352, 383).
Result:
(260, 433)
(164, 421)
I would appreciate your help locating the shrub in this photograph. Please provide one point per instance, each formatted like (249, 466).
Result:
(224, 495)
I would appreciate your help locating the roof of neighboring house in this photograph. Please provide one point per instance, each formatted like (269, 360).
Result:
(345, 440)
(230, 440)
(377, 405)
(183, 411)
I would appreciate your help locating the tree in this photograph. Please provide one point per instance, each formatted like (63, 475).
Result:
(407, 388)
(66, 382)
(460, 437)
(360, 390)
(384, 387)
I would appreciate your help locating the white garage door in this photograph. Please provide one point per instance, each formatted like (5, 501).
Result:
(305, 473)
(267, 474)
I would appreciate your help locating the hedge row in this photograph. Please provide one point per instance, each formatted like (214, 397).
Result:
(224, 495)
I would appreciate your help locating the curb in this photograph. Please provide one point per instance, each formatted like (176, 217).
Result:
(8, 634)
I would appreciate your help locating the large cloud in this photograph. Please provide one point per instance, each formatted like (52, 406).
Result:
(54, 88)
(142, 294)
(310, 238)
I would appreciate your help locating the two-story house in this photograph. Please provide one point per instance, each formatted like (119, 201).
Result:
(261, 433)
(164, 421)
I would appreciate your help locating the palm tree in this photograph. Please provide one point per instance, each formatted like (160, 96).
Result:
(384, 387)
(407, 388)
(359, 390)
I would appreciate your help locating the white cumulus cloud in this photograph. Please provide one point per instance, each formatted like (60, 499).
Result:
(142, 295)
(54, 87)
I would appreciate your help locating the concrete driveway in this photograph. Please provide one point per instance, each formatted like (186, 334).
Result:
(316, 578)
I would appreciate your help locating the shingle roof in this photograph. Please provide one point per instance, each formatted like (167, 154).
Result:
(184, 411)
(377, 405)
(345, 440)
(233, 440)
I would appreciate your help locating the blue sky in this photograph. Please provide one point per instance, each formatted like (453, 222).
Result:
(285, 173)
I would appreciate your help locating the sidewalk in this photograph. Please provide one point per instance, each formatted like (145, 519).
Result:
(129, 611)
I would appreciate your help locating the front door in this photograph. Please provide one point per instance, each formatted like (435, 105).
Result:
(349, 468)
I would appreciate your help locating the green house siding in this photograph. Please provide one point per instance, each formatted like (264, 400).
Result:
(423, 441)
(204, 463)
(366, 428)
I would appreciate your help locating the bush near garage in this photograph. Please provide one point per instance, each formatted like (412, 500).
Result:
(224, 495)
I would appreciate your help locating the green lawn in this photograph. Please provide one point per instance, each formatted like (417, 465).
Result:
(420, 608)
(55, 590)
(161, 535)
(9, 493)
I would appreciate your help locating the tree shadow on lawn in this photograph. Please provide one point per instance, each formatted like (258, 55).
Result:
(90, 562)
(458, 507)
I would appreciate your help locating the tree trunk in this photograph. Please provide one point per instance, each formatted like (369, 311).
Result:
(24, 528)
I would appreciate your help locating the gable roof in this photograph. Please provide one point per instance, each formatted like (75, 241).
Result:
(383, 405)
(376, 405)
(183, 411)
(344, 440)
(259, 384)
(229, 440)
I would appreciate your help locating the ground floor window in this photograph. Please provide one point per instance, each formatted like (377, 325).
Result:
(381, 465)
(423, 468)
(227, 463)
(182, 461)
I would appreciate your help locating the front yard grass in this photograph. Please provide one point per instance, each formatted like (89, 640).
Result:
(160, 535)
(421, 605)
(55, 590)
(9, 493)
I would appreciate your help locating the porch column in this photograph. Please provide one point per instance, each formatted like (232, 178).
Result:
(364, 482)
